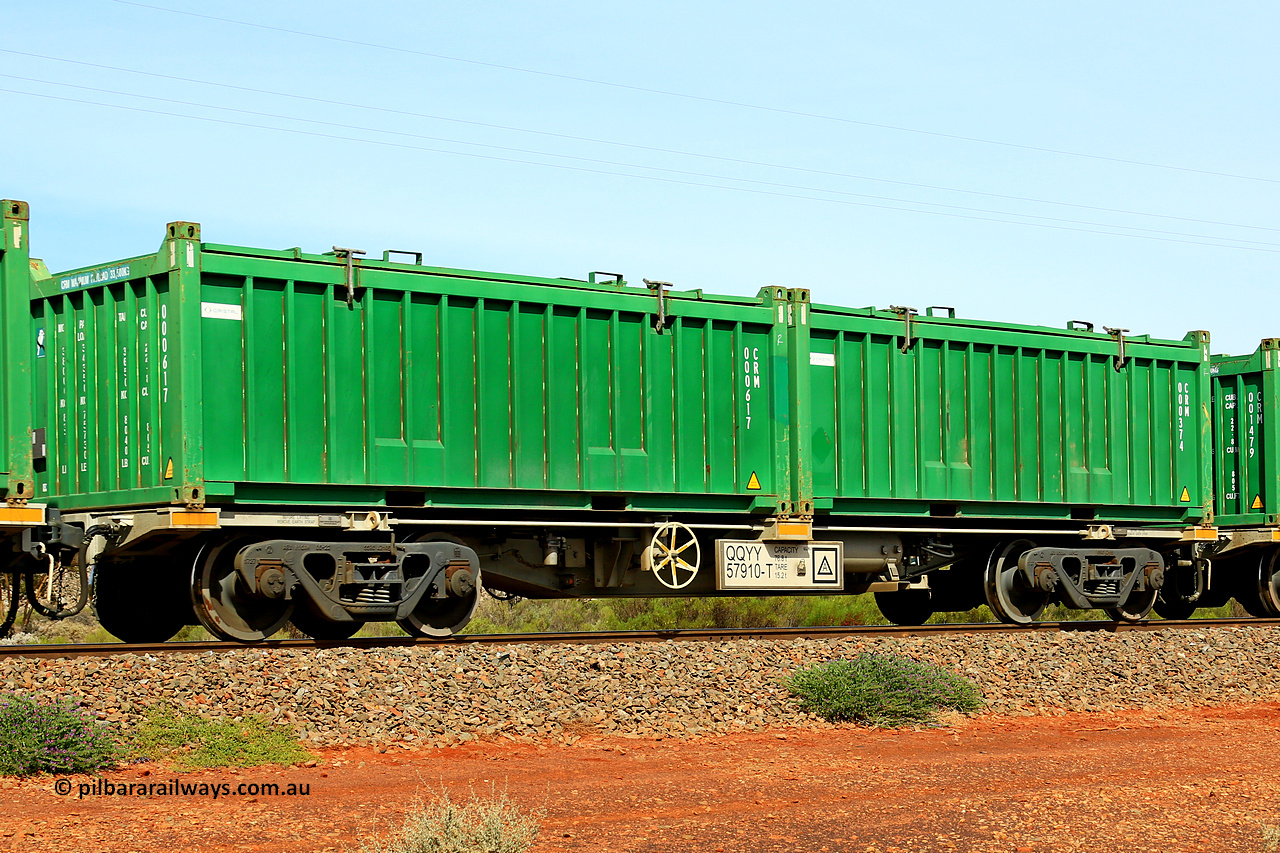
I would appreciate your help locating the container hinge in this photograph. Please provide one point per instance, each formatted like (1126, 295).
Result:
(662, 321)
(906, 314)
(1118, 334)
(350, 256)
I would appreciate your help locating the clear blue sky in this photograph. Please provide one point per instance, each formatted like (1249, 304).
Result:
(837, 200)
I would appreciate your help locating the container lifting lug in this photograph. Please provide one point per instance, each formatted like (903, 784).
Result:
(602, 277)
(906, 314)
(1118, 334)
(657, 287)
(350, 256)
(417, 256)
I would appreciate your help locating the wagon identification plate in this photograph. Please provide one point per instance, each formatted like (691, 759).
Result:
(779, 565)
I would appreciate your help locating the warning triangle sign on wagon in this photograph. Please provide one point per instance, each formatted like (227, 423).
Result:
(825, 569)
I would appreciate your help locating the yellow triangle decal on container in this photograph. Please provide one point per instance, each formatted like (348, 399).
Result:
(1257, 502)
(754, 483)
(1186, 496)
(168, 469)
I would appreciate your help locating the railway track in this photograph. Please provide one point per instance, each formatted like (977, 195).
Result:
(825, 632)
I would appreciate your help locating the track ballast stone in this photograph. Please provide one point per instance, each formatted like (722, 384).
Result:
(444, 695)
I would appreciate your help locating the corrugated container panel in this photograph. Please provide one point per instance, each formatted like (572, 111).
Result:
(990, 419)
(245, 376)
(105, 380)
(1247, 450)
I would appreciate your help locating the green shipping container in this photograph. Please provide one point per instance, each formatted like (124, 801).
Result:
(219, 374)
(1246, 474)
(216, 374)
(944, 417)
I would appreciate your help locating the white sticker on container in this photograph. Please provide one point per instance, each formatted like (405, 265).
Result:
(822, 359)
(218, 311)
(191, 255)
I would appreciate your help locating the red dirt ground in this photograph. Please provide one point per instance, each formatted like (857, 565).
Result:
(1178, 780)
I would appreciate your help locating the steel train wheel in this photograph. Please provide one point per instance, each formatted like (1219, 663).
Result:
(1010, 595)
(318, 628)
(442, 617)
(1269, 581)
(10, 587)
(139, 601)
(908, 607)
(222, 603)
(1136, 607)
(1259, 591)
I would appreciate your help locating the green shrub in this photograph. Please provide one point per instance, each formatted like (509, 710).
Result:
(40, 737)
(882, 690)
(620, 614)
(1270, 837)
(495, 825)
(192, 741)
(381, 629)
(638, 614)
(191, 634)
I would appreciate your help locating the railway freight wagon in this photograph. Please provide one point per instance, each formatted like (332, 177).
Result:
(257, 436)
(246, 437)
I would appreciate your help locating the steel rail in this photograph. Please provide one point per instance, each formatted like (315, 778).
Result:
(821, 632)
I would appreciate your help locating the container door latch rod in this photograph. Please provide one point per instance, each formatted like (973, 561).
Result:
(350, 256)
(906, 314)
(657, 287)
(1118, 334)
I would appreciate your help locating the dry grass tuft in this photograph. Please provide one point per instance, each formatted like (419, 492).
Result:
(491, 825)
